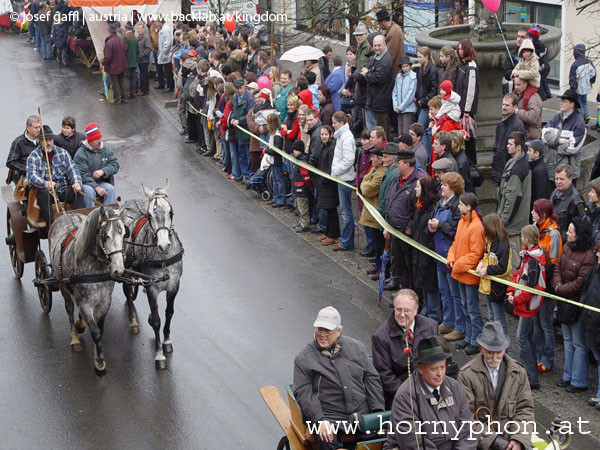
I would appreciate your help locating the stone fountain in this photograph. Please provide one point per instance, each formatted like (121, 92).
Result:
(491, 55)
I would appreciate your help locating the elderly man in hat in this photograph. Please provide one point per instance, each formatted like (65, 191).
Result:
(63, 173)
(564, 135)
(401, 203)
(403, 329)
(242, 103)
(362, 49)
(439, 168)
(497, 387)
(334, 379)
(97, 164)
(115, 62)
(394, 37)
(430, 410)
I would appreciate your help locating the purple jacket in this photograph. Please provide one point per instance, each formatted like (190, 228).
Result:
(115, 50)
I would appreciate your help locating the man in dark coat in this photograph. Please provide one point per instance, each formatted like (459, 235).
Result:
(540, 185)
(509, 123)
(334, 379)
(115, 63)
(403, 329)
(21, 148)
(566, 199)
(380, 83)
(240, 147)
(431, 404)
(69, 138)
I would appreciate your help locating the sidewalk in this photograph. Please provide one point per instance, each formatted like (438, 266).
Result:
(550, 400)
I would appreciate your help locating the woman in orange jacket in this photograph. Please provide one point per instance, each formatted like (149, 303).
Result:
(465, 253)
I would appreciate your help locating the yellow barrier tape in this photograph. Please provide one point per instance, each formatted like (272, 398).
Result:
(386, 226)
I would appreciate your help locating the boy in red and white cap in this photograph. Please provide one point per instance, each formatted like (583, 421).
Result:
(450, 109)
(97, 164)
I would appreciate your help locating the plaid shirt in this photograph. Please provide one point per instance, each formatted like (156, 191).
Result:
(63, 169)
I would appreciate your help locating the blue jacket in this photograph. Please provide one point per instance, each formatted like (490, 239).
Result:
(403, 95)
(59, 37)
(449, 216)
(314, 90)
(571, 128)
(582, 72)
(335, 82)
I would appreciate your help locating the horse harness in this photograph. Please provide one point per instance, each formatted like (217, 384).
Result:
(143, 262)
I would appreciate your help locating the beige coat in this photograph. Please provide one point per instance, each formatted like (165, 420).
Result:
(369, 188)
(528, 69)
(394, 39)
(515, 403)
(532, 116)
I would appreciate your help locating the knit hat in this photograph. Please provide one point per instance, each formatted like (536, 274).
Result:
(447, 87)
(298, 145)
(92, 132)
(537, 145)
(535, 30)
(403, 60)
(265, 93)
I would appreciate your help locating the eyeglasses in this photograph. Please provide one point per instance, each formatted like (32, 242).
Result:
(404, 310)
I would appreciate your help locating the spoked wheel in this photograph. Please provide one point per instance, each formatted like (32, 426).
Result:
(42, 272)
(130, 290)
(15, 262)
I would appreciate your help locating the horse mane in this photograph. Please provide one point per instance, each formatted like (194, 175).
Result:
(85, 239)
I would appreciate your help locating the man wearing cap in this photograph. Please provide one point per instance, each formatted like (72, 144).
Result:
(379, 77)
(404, 328)
(334, 379)
(394, 37)
(362, 48)
(240, 148)
(431, 404)
(63, 171)
(21, 148)
(540, 184)
(497, 386)
(401, 203)
(564, 135)
(390, 153)
(440, 167)
(115, 63)
(97, 164)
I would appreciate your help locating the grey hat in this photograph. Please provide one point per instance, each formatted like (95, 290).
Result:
(444, 164)
(537, 145)
(492, 337)
(360, 29)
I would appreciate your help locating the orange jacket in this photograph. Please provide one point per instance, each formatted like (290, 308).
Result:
(550, 238)
(467, 249)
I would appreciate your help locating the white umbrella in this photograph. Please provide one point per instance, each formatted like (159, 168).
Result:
(302, 53)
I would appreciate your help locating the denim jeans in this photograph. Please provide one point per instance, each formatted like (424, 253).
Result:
(576, 355)
(224, 152)
(369, 235)
(543, 334)
(496, 313)
(423, 117)
(38, 38)
(527, 348)
(451, 304)
(583, 105)
(433, 305)
(46, 46)
(278, 185)
(110, 197)
(345, 193)
(370, 119)
(470, 303)
(240, 159)
(596, 353)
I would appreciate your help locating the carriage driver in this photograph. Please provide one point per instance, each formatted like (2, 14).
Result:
(64, 174)
(21, 148)
(97, 164)
(334, 380)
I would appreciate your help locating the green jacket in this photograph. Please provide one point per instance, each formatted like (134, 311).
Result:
(88, 161)
(514, 196)
(390, 175)
(280, 101)
(361, 55)
(239, 111)
(131, 57)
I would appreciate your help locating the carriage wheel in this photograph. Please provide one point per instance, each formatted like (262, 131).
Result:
(130, 290)
(284, 444)
(15, 262)
(42, 272)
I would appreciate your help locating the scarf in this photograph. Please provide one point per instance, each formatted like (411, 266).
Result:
(419, 205)
(529, 91)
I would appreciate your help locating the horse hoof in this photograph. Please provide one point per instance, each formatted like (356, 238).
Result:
(160, 364)
(99, 372)
(134, 329)
(79, 326)
(168, 348)
(76, 347)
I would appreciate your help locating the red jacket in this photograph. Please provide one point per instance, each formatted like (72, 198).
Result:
(225, 119)
(531, 273)
(293, 133)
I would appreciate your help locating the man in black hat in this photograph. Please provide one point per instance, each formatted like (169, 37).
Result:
(394, 37)
(431, 404)
(401, 203)
(564, 135)
(390, 153)
(497, 385)
(404, 328)
(64, 173)
(21, 148)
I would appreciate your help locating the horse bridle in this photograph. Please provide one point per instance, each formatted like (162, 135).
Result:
(171, 213)
(102, 236)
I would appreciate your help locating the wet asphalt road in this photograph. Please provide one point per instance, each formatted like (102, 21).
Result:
(249, 294)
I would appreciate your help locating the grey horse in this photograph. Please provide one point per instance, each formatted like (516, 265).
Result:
(154, 247)
(86, 252)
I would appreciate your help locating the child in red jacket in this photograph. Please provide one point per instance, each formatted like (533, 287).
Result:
(531, 273)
